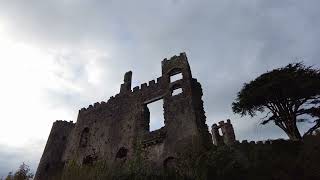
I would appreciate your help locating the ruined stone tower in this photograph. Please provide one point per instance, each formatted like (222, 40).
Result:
(113, 131)
(226, 136)
(50, 163)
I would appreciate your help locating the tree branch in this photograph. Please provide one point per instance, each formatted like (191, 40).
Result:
(313, 128)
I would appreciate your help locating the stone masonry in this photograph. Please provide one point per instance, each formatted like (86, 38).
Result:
(111, 131)
(226, 137)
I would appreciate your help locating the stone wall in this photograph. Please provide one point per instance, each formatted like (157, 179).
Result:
(114, 131)
(226, 136)
(51, 162)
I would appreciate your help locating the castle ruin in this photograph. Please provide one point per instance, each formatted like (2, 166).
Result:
(112, 131)
(226, 136)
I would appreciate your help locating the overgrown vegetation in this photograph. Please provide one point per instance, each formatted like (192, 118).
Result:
(100, 171)
(74, 171)
(136, 169)
(294, 160)
(23, 173)
(289, 94)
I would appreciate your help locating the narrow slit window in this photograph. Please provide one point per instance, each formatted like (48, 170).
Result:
(176, 91)
(176, 77)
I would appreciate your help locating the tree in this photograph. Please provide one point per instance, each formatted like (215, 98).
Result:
(10, 176)
(23, 173)
(287, 95)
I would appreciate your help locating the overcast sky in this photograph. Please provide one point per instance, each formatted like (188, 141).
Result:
(61, 55)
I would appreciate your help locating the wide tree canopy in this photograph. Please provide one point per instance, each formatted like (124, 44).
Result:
(287, 95)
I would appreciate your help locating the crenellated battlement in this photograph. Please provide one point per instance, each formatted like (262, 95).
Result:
(181, 56)
(64, 122)
(151, 85)
(257, 142)
(266, 142)
(54, 149)
(96, 106)
(222, 123)
(111, 130)
(227, 136)
(274, 141)
(147, 86)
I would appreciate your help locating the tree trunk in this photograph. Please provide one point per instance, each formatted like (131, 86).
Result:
(292, 130)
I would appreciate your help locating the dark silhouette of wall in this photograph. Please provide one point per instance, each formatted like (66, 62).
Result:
(227, 135)
(51, 161)
(114, 131)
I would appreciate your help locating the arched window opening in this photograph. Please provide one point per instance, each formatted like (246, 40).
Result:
(170, 163)
(89, 160)
(84, 137)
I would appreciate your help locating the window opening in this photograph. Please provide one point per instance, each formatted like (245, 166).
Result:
(122, 153)
(156, 114)
(176, 91)
(89, 160)
(176, 77)
(170, 163)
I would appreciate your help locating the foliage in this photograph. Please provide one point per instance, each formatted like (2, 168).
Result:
(221, 162)
(287, 95)
(98, 171)
(135, 169)
(296, 160)
(136, 165)
(279, 160)
(23, 173)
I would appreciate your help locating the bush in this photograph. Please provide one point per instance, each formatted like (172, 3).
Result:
(23, 173)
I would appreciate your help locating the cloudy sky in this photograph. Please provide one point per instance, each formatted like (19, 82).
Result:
(61, 55)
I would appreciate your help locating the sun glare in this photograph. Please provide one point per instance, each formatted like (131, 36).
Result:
(23, 75)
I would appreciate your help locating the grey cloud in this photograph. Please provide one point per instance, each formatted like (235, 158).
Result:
(227, 42)
(12, 157)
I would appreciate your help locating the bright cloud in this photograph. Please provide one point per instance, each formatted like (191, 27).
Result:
(59, 56)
